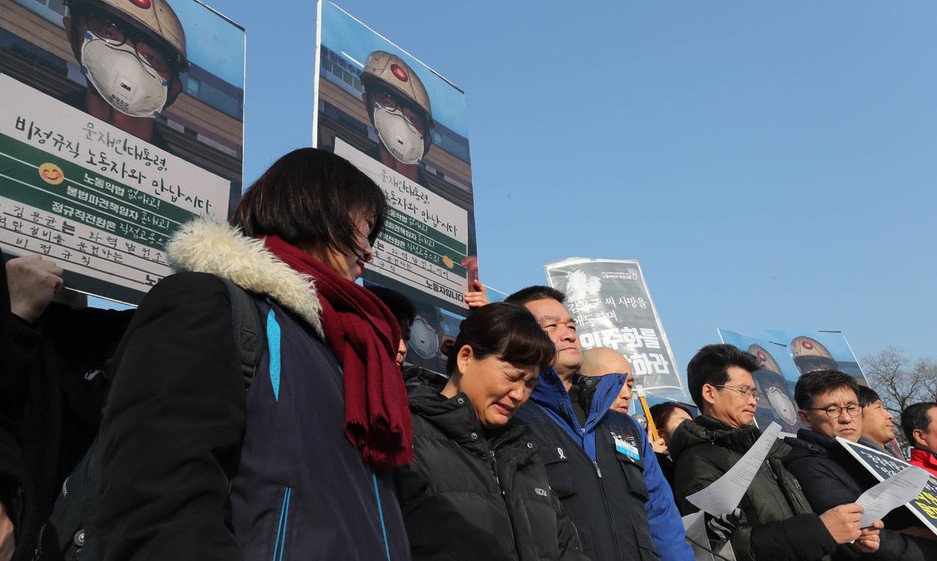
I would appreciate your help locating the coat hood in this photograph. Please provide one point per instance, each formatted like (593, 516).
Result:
(206, 246)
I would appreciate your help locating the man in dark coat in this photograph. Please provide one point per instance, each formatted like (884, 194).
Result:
(878, 427)
(17, 502)
(599, 462)
(830, 476)
(775, 521)
(54, 388)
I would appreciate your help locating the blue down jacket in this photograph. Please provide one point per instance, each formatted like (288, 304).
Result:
(605, 474)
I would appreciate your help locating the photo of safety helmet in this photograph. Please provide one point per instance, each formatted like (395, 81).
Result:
(810, 355)
(398, 106)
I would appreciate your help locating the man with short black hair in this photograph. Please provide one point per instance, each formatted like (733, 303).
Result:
(878, 430)
(598, 461)
(775, 522)
(919, 422)
(830, 476)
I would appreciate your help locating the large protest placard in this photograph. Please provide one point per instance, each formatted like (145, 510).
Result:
(612, 307)
(404, 125)
(776, 377)
(120, 121)
(883, 466)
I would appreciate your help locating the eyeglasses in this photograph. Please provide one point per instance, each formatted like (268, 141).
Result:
(834, 411)
(744, 391)
(117, 34)
(389, 99)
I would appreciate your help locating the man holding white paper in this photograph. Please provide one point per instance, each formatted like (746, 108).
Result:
(773, 521)
(829, 475)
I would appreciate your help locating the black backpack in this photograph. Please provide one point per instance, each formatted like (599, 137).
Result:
(63, 535)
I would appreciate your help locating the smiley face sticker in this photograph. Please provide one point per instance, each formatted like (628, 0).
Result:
(51, 173)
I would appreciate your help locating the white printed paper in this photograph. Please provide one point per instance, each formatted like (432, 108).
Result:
(888, 495)
(724, 494)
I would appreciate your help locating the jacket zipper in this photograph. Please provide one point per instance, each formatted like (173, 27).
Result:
(279, 546)
(494, 469)
(380, 513)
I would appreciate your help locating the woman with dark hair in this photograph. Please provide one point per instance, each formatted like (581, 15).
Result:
(477, 488)
(202, 461)
(667, 417)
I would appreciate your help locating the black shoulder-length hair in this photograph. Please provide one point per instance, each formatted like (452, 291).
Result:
(507, 331)
(308, 197)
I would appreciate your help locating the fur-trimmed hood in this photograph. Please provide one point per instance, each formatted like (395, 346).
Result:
(206, 246)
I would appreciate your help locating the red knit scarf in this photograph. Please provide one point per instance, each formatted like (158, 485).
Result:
(364, 335)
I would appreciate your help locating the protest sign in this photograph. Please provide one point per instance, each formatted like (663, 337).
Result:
(610, 302)
(403, 125)
(99, 167)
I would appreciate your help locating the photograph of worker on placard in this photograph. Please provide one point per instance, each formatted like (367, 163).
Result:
(404, 125)
(122, 119)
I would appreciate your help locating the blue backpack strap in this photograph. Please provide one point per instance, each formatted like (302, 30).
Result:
(248, 330)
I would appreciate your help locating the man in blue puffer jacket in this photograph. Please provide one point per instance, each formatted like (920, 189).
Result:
(599, 462)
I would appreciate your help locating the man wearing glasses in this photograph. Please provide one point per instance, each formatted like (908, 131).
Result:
(131, 53)
(774, 520)
(829, 407)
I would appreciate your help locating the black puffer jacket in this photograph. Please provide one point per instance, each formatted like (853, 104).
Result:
(831, 477)
(474, 494)
(777, 522)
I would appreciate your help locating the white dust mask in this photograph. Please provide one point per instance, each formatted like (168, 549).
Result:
(125, 82)
(400, 138)
(782, 405)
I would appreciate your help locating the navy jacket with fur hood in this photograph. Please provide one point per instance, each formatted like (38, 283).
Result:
(195, 467)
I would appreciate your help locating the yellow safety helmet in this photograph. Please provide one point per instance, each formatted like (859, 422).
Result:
(154, 17)
(389, 70)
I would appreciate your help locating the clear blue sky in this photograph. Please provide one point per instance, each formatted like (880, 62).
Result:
(771, 164)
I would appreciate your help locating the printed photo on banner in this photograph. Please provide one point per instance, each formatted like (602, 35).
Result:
(818, 350)
(122, 119)
(610, 302)
(404, 125)
(776, 377)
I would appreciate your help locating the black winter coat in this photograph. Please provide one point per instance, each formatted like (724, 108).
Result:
(53, 393)
(831, 477)
(777, 522)
(472, 493)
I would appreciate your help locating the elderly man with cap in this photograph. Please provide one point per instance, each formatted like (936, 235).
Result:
(598, 461)
(131, 52)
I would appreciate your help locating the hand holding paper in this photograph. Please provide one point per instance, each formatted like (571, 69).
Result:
(888, 495)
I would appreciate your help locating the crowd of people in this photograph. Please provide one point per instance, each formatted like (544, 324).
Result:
(258, 405)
